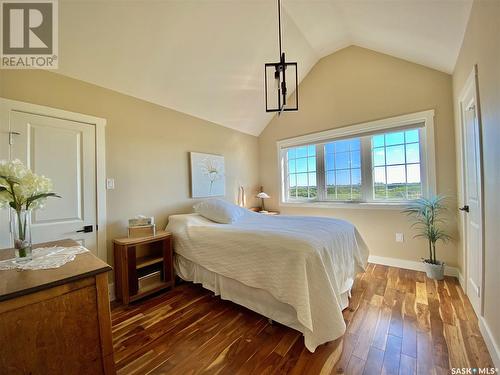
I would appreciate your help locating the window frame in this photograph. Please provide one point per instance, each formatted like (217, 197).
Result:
(424, 120)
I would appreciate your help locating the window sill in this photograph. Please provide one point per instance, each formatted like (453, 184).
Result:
(345, 205)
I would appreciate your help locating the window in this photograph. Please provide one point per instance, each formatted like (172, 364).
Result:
(383, 161)
(343, 169)
(396, 165)
(302, 172)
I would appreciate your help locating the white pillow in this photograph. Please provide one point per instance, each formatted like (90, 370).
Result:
(219, 211)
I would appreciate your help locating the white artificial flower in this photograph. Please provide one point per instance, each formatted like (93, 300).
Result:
(25, 183)
(12, 169)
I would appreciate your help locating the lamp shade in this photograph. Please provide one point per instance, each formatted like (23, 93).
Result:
(263, 195)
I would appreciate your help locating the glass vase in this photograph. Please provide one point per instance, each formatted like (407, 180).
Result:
(22, 235)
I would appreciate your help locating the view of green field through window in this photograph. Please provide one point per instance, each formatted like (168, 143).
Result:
(394, 168)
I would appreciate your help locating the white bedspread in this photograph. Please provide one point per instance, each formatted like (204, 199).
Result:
(306, 262)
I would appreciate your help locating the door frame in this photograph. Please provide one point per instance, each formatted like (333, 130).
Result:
(471, 84)
(100, 149)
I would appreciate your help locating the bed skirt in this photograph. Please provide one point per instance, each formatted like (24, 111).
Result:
(258, 300)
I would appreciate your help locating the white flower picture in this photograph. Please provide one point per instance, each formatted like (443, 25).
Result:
(207, 175)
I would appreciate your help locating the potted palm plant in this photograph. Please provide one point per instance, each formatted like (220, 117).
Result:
(426, 214)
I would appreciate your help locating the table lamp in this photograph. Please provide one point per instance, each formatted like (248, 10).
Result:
(263, 196)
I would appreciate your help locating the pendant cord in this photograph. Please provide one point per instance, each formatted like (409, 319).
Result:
(279, 25)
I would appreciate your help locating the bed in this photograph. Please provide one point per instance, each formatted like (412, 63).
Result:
(296, 270)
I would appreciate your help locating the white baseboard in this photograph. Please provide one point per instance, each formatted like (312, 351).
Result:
(490, 342)
(461, 280)
(112, 296)
(409, 264)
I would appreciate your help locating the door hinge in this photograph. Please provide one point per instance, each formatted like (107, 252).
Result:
(472, 108)
(11, 137)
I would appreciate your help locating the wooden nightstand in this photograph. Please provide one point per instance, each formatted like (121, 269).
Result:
(257, 209)
(269, 213)
(143, 265)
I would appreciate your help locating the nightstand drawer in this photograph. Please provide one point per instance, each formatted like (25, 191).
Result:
(150, 280)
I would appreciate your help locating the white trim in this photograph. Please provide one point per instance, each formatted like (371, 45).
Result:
(461, 280)
(426, 117)
(5, 219)
(53, 112)
(409, 264)
(367, 127)
(102, 250)
(99, 124)
(491, 344)
(346, 205)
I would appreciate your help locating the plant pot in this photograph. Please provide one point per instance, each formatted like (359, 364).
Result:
(434, 271)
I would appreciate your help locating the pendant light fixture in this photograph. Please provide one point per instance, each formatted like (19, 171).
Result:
(280, 77)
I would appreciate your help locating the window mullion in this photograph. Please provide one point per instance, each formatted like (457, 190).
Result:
(366, 170)
(320, 172)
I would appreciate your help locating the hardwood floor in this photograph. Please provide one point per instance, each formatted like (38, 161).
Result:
(398, 322)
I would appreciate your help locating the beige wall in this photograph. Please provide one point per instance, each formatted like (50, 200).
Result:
(146, 146)
(481, 46)
(357, 85)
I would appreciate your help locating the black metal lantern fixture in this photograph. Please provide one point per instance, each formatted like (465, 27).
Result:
(282, 76)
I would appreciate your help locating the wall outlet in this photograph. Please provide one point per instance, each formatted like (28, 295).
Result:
(400, 237)
(110, 183)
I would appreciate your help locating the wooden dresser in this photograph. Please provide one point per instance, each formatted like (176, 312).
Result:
(56, 321)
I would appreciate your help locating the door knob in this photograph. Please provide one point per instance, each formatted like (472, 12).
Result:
(86, 229)
(464, 208)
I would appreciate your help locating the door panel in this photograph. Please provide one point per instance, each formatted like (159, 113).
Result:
(65, 174)
(64, 151)
(472, 185)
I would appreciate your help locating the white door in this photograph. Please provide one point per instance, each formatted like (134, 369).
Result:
(64, 151)
(472, 209)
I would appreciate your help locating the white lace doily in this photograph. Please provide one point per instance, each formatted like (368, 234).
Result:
(45, 258)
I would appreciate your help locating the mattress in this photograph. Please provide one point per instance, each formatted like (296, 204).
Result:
(305, 264)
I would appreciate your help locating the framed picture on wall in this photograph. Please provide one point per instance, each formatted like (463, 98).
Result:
(208, 177)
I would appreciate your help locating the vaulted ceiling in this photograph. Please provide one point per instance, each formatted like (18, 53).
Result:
(205, 57)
